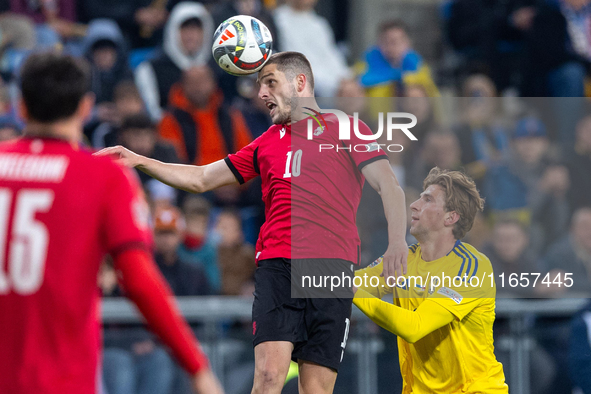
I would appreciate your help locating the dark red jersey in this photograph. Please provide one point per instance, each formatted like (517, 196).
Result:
(311, 188)
(61, 210)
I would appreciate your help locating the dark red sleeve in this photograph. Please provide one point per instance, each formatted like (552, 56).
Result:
(146, 287)
(369, 154)
(244, 163)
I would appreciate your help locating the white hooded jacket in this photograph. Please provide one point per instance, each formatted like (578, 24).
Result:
(145, 76)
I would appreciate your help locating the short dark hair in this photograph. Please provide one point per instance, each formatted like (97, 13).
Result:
(392, 24)
(137, 121)
(52, 85)
(292, 64)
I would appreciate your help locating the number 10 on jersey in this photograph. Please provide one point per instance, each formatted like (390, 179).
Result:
(293, 164)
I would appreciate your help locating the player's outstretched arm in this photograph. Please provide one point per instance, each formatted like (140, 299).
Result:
(193, 179)
(409, 325)
(380, 176)
(146, 287)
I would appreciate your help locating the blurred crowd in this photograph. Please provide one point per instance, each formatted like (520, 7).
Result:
(509, 109)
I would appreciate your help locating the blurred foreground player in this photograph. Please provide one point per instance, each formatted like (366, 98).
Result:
(445, 330)
(61, 210)
(325, 189)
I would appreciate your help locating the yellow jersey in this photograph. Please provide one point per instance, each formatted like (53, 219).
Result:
(458, 357)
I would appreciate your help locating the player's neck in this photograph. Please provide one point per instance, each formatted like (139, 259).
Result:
(304, 105)
(68, 130)
(436, 247)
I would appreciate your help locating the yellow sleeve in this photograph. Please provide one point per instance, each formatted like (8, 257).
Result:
(409, 325)
(461, 298)
(377, 286)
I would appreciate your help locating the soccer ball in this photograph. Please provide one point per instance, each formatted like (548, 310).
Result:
(242, 45)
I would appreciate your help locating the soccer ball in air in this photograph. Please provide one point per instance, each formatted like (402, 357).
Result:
(242, 45)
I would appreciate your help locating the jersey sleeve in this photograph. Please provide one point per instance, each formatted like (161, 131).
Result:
(125, 213)
(460, 297)
(371, 153)
(244, 163)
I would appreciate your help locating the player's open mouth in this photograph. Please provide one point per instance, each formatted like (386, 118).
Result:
(271, 107)
(414, 218)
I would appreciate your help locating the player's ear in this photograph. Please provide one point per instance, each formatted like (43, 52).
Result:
(22, 109)
(301, 82)
(451, 218)
(86, 106)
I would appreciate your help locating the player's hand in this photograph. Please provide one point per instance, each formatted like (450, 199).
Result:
(394, 260)
(205, 382)
(122, 155)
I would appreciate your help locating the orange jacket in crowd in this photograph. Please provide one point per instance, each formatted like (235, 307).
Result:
(202, 136)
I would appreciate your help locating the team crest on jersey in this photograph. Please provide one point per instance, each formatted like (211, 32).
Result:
(431, 289)
(319, 130)
(282, 133)
(454, 295)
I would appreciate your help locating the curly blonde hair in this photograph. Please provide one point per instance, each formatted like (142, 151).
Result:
(461, 196)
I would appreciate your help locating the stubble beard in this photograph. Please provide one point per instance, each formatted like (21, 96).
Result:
(283, 116)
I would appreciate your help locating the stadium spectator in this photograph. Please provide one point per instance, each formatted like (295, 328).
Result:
(301, 29)
(534, 165)
(579, 163)
(185, 279)
(187, 43)
(140, 21)
(133, 362)
(484, 138)
(509, 253)
(235, 257)
(417, 101)
(490, 36)
(105, 49)
(579, 350)
(441, 149)
(17, 37)
(480, 234)
(58, 15)
(572, 254)
(558, 50)
(138, 133)
(197, 248)
(202, 128)
(126, 102)
(506, 185)
(393, 62)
